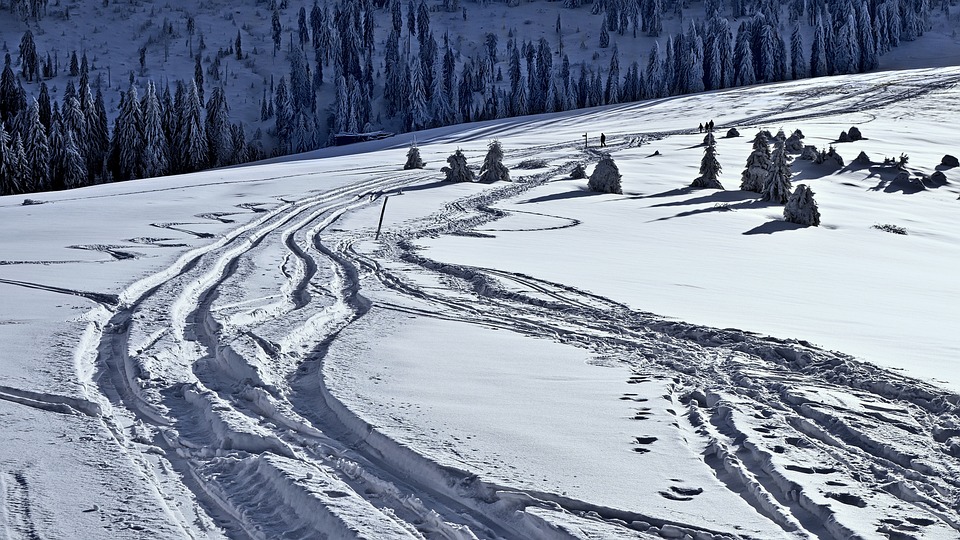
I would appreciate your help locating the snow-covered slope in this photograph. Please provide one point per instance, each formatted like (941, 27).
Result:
(234, 354)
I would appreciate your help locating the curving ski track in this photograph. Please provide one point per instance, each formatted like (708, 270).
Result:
(213, 368)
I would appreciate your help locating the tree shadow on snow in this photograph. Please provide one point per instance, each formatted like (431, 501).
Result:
(561, 196)
(776, 225)
(428, 185)
(752, 203)
(720, 196)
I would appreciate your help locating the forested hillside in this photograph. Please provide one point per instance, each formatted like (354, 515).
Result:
(105, 91)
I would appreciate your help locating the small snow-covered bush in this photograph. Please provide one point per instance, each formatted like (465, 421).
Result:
(950, 161)
(458, 170)
(801, 208)
(732, 132)
(830, 157)
(578, 172)
(794, 143)
(809, 153)
(413, 159)
(854, 134)
(493, 169)
(938, 178)
(605, 177)
(862, 159)
(844, 137)
(887, 227)
(535, 163)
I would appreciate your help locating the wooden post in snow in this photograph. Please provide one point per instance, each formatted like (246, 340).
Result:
(382, 212)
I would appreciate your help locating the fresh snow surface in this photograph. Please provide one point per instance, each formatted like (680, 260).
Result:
(234, 353)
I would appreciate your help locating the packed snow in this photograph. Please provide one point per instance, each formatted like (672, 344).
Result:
(238, 353)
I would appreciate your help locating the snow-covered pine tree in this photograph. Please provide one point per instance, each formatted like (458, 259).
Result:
(776, 187)
(493, 169)
(193, 137)
(798, 68)
(794, 142)
(758, 165)
(74, 166)
(420, 115)
(709, 139)
(458, 170)
(218, 129)
(606, 177)
(801, 208)
(818, 51)
(578, 172)
(413, 158)
(156, 150)
(709, 169)
(128, 137)
(743, 59)
(36, 149)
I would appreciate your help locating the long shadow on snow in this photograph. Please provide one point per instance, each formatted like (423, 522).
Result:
(714, 197)
(560, 196)
(776, 225)
(752, 203)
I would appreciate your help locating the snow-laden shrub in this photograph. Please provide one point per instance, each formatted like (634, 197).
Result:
(809, 153)
(794, 143)
(777, 185)
(732, 132)
(493, 169)
(801, 208)
(844, 137)
(413, 159)
(938, 178)
(758, 165)
(709, 170)
(578, 172)
(458, 170)
(950, 161)
(854, 134)
(862, 159)
(830, 157)
(605, 177)
(535, 163)
(890, 228)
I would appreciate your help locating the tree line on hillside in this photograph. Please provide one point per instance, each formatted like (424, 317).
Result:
(424, 81)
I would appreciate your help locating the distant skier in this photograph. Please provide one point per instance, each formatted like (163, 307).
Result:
(710, 126)
(603, 140)
(701, 128)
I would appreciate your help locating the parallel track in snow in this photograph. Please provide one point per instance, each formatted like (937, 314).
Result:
(213, 369)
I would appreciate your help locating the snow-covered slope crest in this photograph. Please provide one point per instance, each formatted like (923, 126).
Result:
(515, 360)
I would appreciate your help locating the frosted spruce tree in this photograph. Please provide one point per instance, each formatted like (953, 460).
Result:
(458, 170)
(413, 158)
(758, 165)
(709, 170)
(493, 168)
(801, 208)
(777, 186)
(605, 177)
(794, 142)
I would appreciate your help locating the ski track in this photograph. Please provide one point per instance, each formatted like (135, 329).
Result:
(194, 370)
